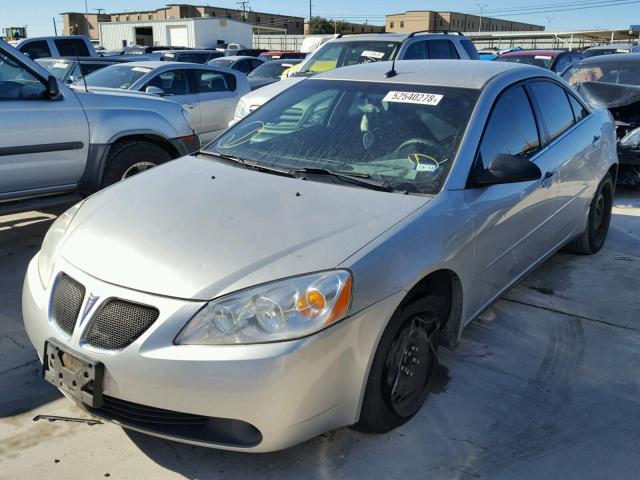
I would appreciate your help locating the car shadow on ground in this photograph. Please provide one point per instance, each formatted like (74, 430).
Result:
(22, 387)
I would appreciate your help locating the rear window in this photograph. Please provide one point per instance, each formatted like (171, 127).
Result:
(116, 76)
(57, 68)
(470, 48)
(72, 47)
(543, 61)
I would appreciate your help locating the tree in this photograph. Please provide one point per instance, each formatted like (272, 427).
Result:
(321, 25)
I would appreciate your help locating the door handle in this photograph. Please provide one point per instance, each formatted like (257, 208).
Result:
(190, 106)
(547, 179)
(595, 140)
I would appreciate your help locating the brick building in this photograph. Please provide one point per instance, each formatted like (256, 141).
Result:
(414, 20)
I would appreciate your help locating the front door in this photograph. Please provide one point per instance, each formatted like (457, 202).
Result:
(43, 142)
(218, 96)
(509, 219)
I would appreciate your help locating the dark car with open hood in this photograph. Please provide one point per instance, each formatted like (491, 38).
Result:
(613, 81)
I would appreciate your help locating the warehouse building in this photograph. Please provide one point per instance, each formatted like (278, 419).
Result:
(416, 20)
(187, 32)
(76, 23)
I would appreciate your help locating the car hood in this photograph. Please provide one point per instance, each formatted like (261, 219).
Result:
(196, 229)
(623, 101)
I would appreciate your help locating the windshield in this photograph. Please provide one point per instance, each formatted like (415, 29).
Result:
(543, 61)
(622, 73)
(58, 68)
(341, 54)
(116, 76)
(221, 62)
(270, 70)
(404, 135)
(604, 51)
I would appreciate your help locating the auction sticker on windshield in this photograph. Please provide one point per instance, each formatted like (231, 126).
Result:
(413, 97)
(372, 54)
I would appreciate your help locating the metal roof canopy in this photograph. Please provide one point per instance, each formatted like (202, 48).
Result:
(570, 40)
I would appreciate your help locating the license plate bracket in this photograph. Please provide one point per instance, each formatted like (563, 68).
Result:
(75, 374)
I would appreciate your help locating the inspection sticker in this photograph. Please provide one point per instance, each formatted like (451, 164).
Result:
(372, 54)
(543, 57)
(60, 65)
(413, 97)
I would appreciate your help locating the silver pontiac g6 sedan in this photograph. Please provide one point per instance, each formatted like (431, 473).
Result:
(300, 273)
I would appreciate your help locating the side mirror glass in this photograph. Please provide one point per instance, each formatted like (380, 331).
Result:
(505, 168)
(53, 88)
(155, 91)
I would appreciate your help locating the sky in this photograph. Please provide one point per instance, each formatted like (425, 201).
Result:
(559, 15)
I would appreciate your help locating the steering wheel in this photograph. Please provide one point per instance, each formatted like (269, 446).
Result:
(433, 148)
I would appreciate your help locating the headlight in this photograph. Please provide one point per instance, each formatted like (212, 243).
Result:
(241, 111)
(282, 310)
(631, 139)
(187, 119)
(49, 250)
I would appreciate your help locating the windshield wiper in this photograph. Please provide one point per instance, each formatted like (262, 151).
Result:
(250, 164)
(355, 178)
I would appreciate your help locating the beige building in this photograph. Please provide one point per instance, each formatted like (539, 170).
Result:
(350, 28)
(76, 23)
(415, 20)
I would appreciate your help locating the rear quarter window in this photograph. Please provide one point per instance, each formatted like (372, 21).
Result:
(442, 49)
(72, 47)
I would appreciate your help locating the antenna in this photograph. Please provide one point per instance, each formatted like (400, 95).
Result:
(392, 72)
(84, 80)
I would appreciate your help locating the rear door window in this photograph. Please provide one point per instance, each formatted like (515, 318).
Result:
(416, 51)
(71, 47)
(174, 82)
(442, 49)
(555, 109)
(511, 128)
(36, 49)
(208, 81)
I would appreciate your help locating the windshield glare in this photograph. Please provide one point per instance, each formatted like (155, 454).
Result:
(270, 70)
(537, 61)
(622, 73)
(57, 68)
(116, 76)
(341, 54)
(221, 62)
(404, 135)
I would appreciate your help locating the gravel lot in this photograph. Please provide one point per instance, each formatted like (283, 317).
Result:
(546, 384)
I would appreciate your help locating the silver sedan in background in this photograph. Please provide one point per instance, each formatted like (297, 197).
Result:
(208, 94)
(308, 264)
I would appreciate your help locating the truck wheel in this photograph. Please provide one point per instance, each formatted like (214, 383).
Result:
(131, 157)
(403, 368)
(592, 239)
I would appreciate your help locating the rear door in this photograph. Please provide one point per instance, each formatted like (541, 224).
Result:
(43, 142)
(571, 147)
(176, 86)
(218, 95)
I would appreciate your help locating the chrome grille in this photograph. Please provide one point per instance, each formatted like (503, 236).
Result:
(67, 301)
(119, 323)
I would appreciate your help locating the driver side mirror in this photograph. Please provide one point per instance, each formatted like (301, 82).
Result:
(505, 168)
(53, 88)
(155, 91)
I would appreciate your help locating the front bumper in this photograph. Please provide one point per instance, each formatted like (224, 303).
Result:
(289, 391)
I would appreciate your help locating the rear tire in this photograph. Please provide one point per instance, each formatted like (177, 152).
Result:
(592, 239)
(403, 367)
(130, 157)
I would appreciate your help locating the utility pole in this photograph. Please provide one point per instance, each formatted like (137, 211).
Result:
(99, 10)
(310, 14)
(481, 7)
(244, 8)
(55, 27)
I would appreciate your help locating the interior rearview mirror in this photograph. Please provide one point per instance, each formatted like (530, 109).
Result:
(155, 91)
(505, 168)
(53, 88)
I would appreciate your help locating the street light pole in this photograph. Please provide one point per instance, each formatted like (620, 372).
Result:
(481, 7)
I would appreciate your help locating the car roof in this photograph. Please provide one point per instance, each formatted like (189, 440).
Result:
(187, 51)
(391, 37)
(114, 59)
(235, 57)
(454, 73)
(533, 53)
(281, 61)
(613, 45)
(612, 58)
(275, 52)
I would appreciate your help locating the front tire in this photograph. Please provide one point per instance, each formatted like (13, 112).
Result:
(131, 157)
(403, 368)
(592, 239)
